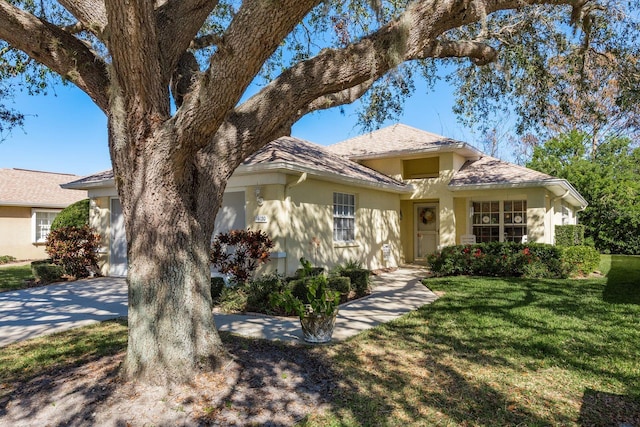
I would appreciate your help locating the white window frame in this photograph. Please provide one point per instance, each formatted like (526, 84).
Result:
(34, 224)
(341, 211)
(501, 217)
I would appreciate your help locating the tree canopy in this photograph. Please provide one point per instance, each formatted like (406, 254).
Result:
(609, 179)
(172, 78)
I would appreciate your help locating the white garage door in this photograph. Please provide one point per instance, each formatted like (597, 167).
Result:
(230, 216)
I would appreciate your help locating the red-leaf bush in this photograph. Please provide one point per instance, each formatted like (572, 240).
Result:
(239, 252)
(75, 249)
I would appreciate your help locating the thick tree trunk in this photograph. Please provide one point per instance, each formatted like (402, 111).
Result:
(172, 335)
(169, 217)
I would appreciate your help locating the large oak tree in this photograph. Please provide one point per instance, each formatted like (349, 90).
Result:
(170, 76)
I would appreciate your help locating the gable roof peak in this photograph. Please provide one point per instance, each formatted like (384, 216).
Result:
(398, 139)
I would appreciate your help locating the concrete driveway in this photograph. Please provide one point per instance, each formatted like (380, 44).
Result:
(39, 311)
(48, 309)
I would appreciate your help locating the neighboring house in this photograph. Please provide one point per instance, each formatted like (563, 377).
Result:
(385, 198)
(29, 201)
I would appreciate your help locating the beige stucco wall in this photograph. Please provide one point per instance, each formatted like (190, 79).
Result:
(300, 214)
(16, 234)
(540, 218)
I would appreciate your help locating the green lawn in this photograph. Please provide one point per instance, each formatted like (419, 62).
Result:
(12, 278)
(501, 352)
(489, 352)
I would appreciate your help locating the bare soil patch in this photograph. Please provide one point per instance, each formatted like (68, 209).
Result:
(263, 384)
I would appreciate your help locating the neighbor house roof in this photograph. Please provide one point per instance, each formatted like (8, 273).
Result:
(289, 154)
(399, 140)
(21, 187)
(489, 172)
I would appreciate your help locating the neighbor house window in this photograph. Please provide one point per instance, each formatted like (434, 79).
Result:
(41, 220)
(498, 221)
(344, 217)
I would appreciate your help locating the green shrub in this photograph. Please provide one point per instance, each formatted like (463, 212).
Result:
(498, 259)
(308, 270)
(5, 259)
(46, 271)
(341, 284)
(581, 259)
(298, 287)
(259, 293)
(75, 249)
(360, 279)
(570, 235)
(217, 284)
(232, 299)
(239, 252)
(75, 215)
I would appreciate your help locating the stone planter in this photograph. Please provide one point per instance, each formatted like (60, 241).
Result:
(318, 328)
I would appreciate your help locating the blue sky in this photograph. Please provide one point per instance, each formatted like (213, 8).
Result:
(65, 132)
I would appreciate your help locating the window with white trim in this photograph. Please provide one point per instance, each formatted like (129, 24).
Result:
(344, 217)
(499, 221)
(41, 221)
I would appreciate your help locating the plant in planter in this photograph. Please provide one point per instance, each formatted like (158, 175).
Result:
(317, 311)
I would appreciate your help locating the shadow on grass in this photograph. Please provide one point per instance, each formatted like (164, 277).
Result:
(606, 409)
(623, 280)
(37, 378)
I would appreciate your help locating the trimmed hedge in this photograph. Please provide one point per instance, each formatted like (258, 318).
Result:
(359, 279)
(74, 215)
(581, 259)
(499, 259)
(570, 235)
(46, 271)
(217, 284)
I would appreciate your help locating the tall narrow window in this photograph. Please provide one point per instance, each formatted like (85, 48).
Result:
(486, 221)
(344, 217)
(42, 224)
(515, 220)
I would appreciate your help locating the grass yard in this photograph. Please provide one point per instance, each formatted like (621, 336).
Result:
(12, 278)
(489, 352)
(500, 352)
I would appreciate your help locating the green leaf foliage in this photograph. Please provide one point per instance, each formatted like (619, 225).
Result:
(75, 215)
(609, 179)
(570, 235)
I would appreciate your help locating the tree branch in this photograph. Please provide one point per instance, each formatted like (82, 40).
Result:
(90, 13)
(56, 49)
(338, 76)
(205, 41)
(178, 23)
(239, 57)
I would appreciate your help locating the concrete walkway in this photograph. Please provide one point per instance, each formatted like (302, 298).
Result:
(393, 295)
(40, 311)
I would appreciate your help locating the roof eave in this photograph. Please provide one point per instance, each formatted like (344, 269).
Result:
(472, 152)
(548, 183)
(35, 205)
(105, 183)
(284, 166)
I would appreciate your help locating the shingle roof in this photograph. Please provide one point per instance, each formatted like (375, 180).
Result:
(395, 139)
(300, 154)
(20, 187)
(288, 153)
(99, 179)
(489, 170)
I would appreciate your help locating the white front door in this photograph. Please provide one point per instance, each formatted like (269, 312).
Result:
(427, 227)
(118, 244)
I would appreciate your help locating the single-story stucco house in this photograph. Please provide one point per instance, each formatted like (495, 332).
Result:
(29, 201)
(388, 197)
